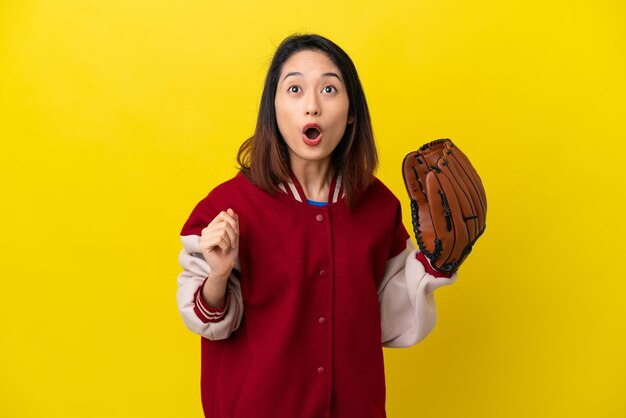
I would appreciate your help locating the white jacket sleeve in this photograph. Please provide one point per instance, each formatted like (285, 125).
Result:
(407, 302)
(193, 311)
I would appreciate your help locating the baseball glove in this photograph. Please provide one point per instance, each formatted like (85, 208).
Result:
(448, 203)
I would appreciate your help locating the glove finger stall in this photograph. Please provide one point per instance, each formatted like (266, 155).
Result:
(466, 193)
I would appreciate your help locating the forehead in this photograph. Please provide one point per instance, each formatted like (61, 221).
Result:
(310, 62)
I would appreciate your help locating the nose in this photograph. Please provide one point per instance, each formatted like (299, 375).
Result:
(312, 107)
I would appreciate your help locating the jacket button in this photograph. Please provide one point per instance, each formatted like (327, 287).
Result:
(321, 370)
(322, 320)
(323, 273)
(319, 217)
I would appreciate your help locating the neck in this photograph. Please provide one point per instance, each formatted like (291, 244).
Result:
(314, 177)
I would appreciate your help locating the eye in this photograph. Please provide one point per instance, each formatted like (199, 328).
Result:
(329, 89)
(294, 89)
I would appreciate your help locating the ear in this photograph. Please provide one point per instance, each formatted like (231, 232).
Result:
(350, 119)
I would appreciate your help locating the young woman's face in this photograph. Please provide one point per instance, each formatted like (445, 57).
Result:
(311, 106)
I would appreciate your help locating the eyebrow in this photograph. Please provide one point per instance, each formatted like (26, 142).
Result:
(294, 73)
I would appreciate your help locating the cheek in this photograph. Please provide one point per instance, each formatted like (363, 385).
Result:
(283, 112)
(343, 109)
(342, 115)
(280, 117)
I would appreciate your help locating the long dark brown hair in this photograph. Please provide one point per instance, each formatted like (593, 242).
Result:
(264, 158)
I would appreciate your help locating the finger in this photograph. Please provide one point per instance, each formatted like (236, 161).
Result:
(216, 220)
(224, 229)
(231, 217)
(224, 246)
(237, 237)
(218, 242)
(232, 235)
(220, 217)
(215, 240)
(222, 237)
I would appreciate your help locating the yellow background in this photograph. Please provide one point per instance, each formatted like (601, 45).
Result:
(117, 117)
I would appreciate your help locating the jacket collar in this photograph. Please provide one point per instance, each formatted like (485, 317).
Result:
(293, 188)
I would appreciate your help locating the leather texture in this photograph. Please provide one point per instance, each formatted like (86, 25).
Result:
(448, 202)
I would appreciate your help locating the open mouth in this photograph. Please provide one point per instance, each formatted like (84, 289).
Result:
(312, 134)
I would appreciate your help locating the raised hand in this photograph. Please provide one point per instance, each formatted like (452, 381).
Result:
(219, 244)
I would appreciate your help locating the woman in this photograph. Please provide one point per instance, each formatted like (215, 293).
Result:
(298, 270)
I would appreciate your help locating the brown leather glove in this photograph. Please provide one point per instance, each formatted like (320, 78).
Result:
(448, 203)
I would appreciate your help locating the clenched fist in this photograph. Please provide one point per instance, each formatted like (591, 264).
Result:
(219, 244)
